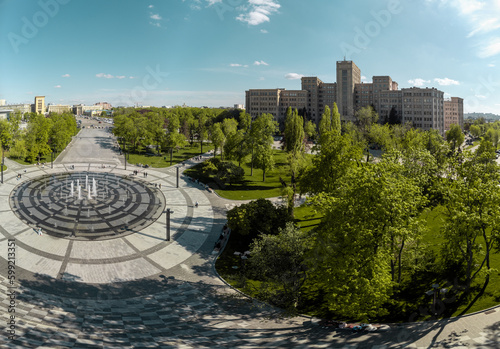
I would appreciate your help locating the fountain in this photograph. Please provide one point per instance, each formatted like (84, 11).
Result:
(79, 192)
(94, 187)
(87, 182)
(71, 192)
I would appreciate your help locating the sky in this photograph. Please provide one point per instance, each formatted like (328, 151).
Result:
(208, 52)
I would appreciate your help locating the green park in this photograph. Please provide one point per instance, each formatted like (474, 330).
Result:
(326, 226)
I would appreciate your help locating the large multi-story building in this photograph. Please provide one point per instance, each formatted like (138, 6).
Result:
(105, 105)
(274, 101)
(88, 110)
(422, 107)
(58, 108)
(23, 108)
(453, 112)
(39, 106)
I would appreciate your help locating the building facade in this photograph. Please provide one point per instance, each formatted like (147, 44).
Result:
(39, 106)
(422, 107)
(58, 108)
(453, 112)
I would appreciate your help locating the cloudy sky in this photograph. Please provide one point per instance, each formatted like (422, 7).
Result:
(208, 52)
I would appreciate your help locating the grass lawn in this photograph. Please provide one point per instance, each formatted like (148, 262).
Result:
(252, 187)
(491, 296)
(307, 218)
(229, 267)
(164, 160)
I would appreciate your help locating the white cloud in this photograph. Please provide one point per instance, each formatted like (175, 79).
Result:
(446, 82)
(262, 78)
(418, 82)
(293, 76)
(491, 65)
(150, 6)
(156, 17)
(57, 86)
(483, 18)
(260, 63)
(131, 77)
(259, 11)
(106, 76)
(121, 77)
(155, 24)
(492, 48)
(485, 26)
(238, 65)
(211, 2)
(66, 76)
(263, 31)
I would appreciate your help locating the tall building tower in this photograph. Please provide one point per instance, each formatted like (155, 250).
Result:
(453, 112)
(348, 75)
(39, 106)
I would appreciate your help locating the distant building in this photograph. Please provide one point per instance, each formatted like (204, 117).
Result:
(105, 105)
(59, 109)
(87, 110)
(2, 102)
(274, 101)
(39, 106)
(23, 108)
(453, 112)
(239, 106)
(422, 107)
(5, 114)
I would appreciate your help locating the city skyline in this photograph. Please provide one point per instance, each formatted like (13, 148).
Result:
(208, 52)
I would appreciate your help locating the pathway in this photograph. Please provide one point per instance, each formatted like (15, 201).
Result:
(140, 291)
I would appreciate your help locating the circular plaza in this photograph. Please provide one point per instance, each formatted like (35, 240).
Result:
(87, 205)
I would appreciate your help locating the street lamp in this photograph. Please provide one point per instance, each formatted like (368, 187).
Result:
(169, 211)
(434, 292)
(3, 161)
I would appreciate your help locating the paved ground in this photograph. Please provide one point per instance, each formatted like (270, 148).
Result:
(140, 291)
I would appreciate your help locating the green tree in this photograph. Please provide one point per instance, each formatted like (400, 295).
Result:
(325, 124)
(279, 260)
(294, 131)
(261, 140)
(357, 248)
(336, 156)
(258, 217)
(310, 130)
(455, 137)
(472, 223)
(37, 137)
(336, 125)
(218, 138)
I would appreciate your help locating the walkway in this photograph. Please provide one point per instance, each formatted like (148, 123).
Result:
(140, 291)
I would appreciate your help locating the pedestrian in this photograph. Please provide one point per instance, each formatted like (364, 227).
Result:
(159, 185)
(196, 204)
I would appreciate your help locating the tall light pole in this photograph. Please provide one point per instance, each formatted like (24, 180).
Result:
(3, 160)
(169, 211)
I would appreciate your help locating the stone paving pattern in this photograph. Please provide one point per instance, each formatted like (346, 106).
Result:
(140, 291)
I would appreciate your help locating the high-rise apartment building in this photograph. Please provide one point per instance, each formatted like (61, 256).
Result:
(348, 75)
(39, 106)
(453, 112)
(422, 107)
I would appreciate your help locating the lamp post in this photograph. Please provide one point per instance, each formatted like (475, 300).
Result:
(434, 292)
(177, 169)
(169, 211)
(3, 161)
(52, 155)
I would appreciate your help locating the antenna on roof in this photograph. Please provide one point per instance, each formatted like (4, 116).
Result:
(344, 58)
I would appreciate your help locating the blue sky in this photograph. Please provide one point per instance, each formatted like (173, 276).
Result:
(208, 52)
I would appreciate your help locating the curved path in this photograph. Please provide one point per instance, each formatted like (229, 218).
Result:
(140, 291)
